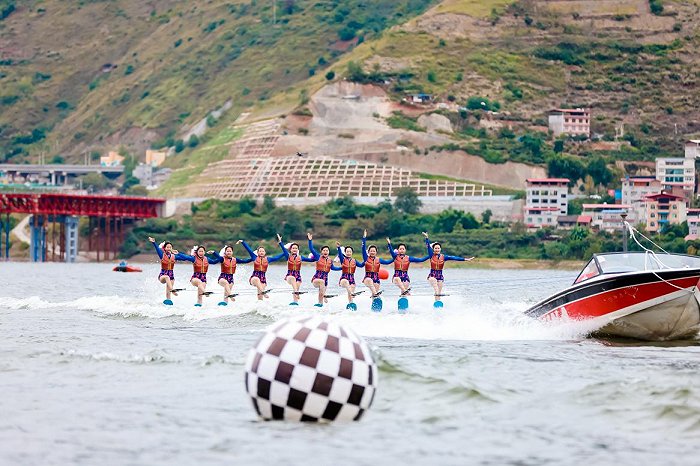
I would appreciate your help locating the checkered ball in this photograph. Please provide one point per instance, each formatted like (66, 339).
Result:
(310, 369)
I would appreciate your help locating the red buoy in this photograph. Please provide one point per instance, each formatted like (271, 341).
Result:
(383, 274)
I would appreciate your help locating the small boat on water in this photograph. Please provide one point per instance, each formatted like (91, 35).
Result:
(642, 295)
(124, 267)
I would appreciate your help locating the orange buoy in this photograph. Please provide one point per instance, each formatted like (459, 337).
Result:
(383, 273)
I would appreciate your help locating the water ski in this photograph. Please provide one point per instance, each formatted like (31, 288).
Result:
(358, 293)
(206, 293)
(232, 295)
(318, 305)
(197, 305)
(403, 305)
(351, 306)
(263, 293)
(299, 292)
(294, 303)
(223, 303)
(438, 304)
(376, 304)
(168, 302)
(176, 290)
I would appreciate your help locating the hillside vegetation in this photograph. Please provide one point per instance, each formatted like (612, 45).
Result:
(634, 62)
(95, 74)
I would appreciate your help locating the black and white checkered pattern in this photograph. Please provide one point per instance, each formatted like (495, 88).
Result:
(310, 369)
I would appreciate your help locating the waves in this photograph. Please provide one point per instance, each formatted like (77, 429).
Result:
(462, 318)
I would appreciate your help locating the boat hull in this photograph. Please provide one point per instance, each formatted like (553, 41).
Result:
(654, 306)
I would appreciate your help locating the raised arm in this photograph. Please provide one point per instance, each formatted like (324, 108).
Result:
(391, 248)
(427, 245)
(313, 250)
(279, 256)
(157, 248)
(250, 251)
(341, 257)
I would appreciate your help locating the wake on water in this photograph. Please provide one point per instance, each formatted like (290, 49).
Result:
(462, 318)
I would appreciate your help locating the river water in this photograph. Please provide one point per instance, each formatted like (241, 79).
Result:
(95, 370)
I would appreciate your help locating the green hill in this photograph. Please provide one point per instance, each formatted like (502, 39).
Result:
(90, 75)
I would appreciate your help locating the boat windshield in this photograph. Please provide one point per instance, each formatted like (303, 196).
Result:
(635, 262)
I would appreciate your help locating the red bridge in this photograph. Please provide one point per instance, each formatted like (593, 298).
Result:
(55, 215)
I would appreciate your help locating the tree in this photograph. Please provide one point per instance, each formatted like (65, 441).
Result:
(407, 200)
(486, 216)
(599, 171)
(355, 72)
(446, 220)
(95, 182)
(330, 75)
(561, 166)
(193, 141)
(559, 146)
(268, 204)
(469, 222)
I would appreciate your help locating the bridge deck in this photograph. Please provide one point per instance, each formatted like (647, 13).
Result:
(72, 204)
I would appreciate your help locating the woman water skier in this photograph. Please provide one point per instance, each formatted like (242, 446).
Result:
(228, 268)
(437, 263)
(167, 256)
(401, 263)
(372, 266)
(200, 264)
(294, 260)
(324, 264)
(348, 264)
(258, 279)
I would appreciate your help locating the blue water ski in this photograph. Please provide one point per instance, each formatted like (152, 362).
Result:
(168, 302)
(377, 304)
(403, 304)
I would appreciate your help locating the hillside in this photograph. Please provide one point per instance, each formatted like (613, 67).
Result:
(95, 74)
(633, 61)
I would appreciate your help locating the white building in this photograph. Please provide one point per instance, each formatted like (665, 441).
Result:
(692, 149)
(677, 175)
(693, 219)
(545, 200)
(634, 190)
(571, 121)
(606, 216)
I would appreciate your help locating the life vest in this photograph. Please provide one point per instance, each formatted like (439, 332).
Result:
(401, 263)
(260, 264)
(167, 262)
(323, 264)
(372, 265)
(294, 262)
(228, 265)
(200, 265)
(437, 262)
(349, 265)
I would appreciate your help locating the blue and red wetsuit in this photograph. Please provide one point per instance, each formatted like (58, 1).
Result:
(437, 263)
(348, 266)
(260, 263)
(403, 261)
(372, 266)
(167, 262)
(294, 262)
(228, 265)
(323, 265)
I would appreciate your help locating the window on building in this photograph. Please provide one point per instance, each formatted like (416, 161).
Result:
(563, 196)
(653, 224)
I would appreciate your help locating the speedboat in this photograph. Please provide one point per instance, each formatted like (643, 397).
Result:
(641, 295)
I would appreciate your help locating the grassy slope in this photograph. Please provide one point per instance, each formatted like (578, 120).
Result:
(184, 59)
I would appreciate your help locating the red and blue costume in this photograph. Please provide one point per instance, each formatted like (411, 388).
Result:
(372, 266)
(437, 263)
(403, 261)
(260, 263)
(348, 267)
(167, 262)
(323, 265)
(294, 263)
(228, 265)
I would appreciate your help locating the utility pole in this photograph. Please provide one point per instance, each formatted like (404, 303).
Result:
(624, 232)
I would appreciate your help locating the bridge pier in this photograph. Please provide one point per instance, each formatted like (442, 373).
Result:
(6, 227)
(37, 247)
(70, 229)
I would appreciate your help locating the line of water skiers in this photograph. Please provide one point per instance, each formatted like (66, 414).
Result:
(201, 259)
